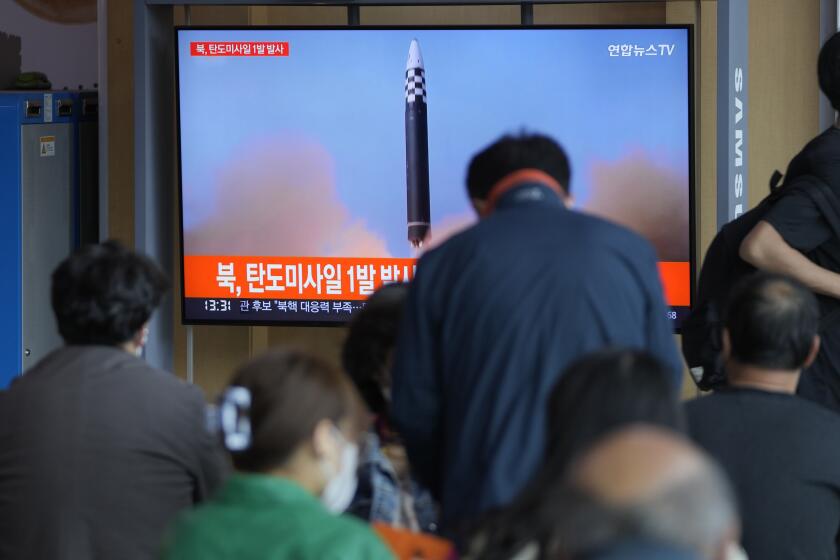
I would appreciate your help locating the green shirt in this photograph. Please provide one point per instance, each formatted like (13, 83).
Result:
(264, 517)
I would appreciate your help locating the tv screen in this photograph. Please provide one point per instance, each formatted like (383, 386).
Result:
(318, 164)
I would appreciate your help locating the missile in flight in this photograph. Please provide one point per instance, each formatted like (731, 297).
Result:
(416, 148)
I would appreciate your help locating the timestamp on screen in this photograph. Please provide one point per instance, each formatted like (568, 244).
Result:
(217, 305)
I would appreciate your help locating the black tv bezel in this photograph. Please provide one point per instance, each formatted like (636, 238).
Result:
(692, 226)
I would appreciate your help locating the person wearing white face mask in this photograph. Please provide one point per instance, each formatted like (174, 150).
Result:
(291, 424)
(387, 493)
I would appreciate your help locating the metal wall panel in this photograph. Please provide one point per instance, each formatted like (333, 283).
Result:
(733, 54)
(47, 237)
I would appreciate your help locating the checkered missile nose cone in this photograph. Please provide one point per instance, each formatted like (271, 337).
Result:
(415, 85)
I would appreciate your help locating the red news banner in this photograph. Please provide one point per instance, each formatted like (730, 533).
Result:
(324, 278)
(239, 48)
(305, 278)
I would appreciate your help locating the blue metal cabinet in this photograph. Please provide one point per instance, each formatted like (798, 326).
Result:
(39, 173)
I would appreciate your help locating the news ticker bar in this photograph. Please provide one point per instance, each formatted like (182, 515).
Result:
(270, 310)
(240, 310)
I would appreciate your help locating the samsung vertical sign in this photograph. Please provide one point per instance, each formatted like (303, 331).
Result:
(733, 50)
(738, 154)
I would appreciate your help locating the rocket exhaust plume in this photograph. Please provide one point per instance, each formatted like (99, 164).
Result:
(416, 148)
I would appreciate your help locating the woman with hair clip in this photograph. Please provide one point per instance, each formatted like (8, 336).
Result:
(291, 424)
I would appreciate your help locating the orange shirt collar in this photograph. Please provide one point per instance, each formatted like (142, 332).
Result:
(515, 179)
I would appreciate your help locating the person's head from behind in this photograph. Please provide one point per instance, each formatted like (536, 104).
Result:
(605, 391)
(491, 169)
(828, 70)
(648, 484)
(292, 415)
(369, 347)
(598, 394)
(770, 325)
(105, 294)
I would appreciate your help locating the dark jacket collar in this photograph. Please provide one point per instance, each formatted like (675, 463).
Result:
(529, 194)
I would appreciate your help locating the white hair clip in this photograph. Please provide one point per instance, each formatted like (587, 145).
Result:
(234, 418)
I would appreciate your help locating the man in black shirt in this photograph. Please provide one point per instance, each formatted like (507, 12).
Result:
(796, 239)
(782, 452)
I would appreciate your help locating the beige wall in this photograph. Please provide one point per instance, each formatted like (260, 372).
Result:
(454, 15)
(600, 14)
(704, 18)
(783, 115)
(783, 89)
(120, 40)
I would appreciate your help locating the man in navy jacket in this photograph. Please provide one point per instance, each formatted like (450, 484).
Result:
(496, 313)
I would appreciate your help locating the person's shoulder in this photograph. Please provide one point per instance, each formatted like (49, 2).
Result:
(708, 408)
(352, 529)
(469, 235)
(698, 405)
(711, 397)
(466, 242)
(813, 430)
(74, 364)
(817, 413)
(105, 369)
(192, 534)
(170, 381)
(346, 537)
(824, 141)
(800, 410)
(179, 406)
(829, 138)
(708, 418)
(60, 361)
(160, 380)
(616, 236)
(820, 156)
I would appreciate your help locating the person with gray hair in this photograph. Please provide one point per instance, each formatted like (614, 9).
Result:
(781, 451)
(580, 503)
(645, 492)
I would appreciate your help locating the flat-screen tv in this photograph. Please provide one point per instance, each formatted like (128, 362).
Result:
(319, 163)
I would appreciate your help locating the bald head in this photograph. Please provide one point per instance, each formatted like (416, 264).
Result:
(649, 483)
(771, 322)
(636, 464)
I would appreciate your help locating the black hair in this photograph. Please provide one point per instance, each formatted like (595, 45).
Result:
(370, 342)
(105, 293)
(513, 153)
(598, 394)
(290, 393)
(604, 391)
(828, 70)
(772, 321)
